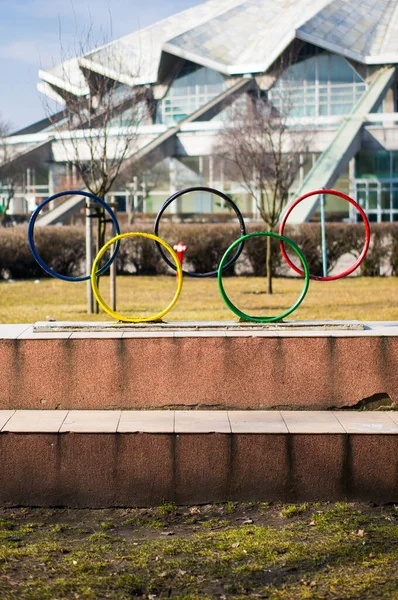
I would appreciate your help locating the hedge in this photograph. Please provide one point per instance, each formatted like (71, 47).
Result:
(63, 249)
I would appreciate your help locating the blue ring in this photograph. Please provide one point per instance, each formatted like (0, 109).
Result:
(32, 226)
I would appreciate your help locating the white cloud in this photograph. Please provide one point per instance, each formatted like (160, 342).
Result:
(34, 52)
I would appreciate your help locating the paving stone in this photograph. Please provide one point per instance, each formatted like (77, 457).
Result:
(91, 421)
(40, 421)
(11, 332)
(311, 421)
(256, 421)
(5, 416)
(146, 421)
(366, 422)
(201, 421)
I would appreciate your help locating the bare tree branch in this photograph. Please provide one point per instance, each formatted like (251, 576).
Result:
(10, 174)
(257, 143)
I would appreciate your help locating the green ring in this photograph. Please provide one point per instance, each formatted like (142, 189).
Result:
(299, 253)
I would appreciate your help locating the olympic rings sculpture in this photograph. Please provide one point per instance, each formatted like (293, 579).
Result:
(101, 301)
(225, 262)
(31, 237)
(215, 193)
(282, 239)
(367, 234)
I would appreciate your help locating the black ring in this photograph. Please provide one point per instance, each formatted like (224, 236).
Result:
(216, 193)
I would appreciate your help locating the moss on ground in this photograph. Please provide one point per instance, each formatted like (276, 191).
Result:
(286, 552)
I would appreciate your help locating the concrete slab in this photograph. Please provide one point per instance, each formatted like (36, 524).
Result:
(148, 334)
(317, 467)
(201, 421)
(31, 334)
(199, 334)
(192, 326)
(5, 416)
(267, 370)
(103, 465)
(146, 421)
(11, 332)
(144, 464)
(366, 422)
(311, 421)
(393, 415)
(259, 467)
(39, 421)
(202, 463)
(91, 421)
(256, 421)
(81, 335)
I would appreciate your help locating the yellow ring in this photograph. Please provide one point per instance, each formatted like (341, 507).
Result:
(98, 296)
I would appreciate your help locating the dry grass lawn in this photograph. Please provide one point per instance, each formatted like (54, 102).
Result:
(353, 298)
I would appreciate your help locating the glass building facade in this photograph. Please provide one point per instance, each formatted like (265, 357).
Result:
(193, 87)
(376, 184)
(320, 84)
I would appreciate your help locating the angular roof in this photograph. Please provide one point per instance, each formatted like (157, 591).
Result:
(236, 37)
(366, 31)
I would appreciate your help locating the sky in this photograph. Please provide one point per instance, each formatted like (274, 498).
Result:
(35, 34)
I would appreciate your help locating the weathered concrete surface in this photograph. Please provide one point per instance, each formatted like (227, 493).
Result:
(248, 372)
(105, 470)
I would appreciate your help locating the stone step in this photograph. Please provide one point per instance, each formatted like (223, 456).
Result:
(226, 366)
(142, 458)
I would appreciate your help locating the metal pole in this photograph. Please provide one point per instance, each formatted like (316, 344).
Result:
(89, 258)
(323, 232)
(112, 276)
(112, 270)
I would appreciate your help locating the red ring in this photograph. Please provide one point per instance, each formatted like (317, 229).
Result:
(367, 234)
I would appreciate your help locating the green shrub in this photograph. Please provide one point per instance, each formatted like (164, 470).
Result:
(63, 249)
(342, 238)
(382, 255)
(206, 243)
(255, 251)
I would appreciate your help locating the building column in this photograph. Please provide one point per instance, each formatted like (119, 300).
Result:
(388, 103)
(352, 187)
(51, 183)
(175, 207)
(211, 180)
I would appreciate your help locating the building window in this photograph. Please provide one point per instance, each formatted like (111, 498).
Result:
(193, 87)
(322, 84)
(376, 184)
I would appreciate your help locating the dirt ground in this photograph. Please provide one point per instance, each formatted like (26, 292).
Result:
(253, 550)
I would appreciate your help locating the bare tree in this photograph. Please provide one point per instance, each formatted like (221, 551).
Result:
(141, 177)
(99, 131)
(265, 155)
(9, 175)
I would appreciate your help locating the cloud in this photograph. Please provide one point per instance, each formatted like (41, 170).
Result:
(34, 52)
(73, 12)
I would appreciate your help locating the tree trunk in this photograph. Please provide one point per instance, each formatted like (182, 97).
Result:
(269, 265)
(100, 242)
(4, 216)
